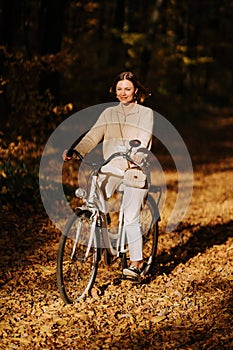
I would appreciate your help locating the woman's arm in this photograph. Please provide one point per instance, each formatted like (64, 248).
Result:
(93, 136)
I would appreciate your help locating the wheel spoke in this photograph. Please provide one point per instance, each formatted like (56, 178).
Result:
(77, 259)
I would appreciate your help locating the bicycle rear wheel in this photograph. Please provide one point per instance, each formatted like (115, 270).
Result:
(149, 218)
(77, 260)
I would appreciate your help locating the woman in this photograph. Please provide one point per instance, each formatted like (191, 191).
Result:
(117, 126)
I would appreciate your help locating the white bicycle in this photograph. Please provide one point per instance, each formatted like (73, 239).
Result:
(88, 236)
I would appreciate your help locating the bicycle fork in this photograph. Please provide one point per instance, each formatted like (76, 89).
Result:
(90, 242)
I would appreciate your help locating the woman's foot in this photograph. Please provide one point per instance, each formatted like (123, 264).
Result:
(135, 269)
(131, 271)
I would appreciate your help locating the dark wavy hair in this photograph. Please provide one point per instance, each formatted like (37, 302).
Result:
(142, 92)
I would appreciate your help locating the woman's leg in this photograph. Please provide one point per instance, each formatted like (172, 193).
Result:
(108, 184)
(132, 203)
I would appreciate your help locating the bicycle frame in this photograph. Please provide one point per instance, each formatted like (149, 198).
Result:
(80, 250)
(95, 203)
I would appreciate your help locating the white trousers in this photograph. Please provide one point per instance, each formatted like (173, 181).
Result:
(132, 202)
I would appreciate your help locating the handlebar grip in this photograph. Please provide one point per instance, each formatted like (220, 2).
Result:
(70, 153)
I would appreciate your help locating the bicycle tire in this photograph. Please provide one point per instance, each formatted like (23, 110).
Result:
(76, 274)
(149, 219)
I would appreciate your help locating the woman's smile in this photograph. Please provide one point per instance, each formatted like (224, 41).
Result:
(125, 91)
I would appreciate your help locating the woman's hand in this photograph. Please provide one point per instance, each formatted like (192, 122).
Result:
(139, 157)
(64, 156)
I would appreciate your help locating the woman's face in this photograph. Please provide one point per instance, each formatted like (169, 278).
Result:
(125, 91)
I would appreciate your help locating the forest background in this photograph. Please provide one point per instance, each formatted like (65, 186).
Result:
(60, 56)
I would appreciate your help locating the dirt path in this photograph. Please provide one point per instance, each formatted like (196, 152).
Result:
(187, 303)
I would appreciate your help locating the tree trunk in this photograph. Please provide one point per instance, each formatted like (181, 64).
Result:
(51, 30)
(149, 43)
(9, 29)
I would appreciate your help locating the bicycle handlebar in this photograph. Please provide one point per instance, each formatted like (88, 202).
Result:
(125, 155)
(133, 143)
(97, 167)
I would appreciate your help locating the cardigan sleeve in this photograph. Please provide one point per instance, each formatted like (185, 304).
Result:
(93, 136)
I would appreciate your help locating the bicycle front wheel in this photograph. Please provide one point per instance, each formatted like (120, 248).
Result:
(77, 260)
(149, 218)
